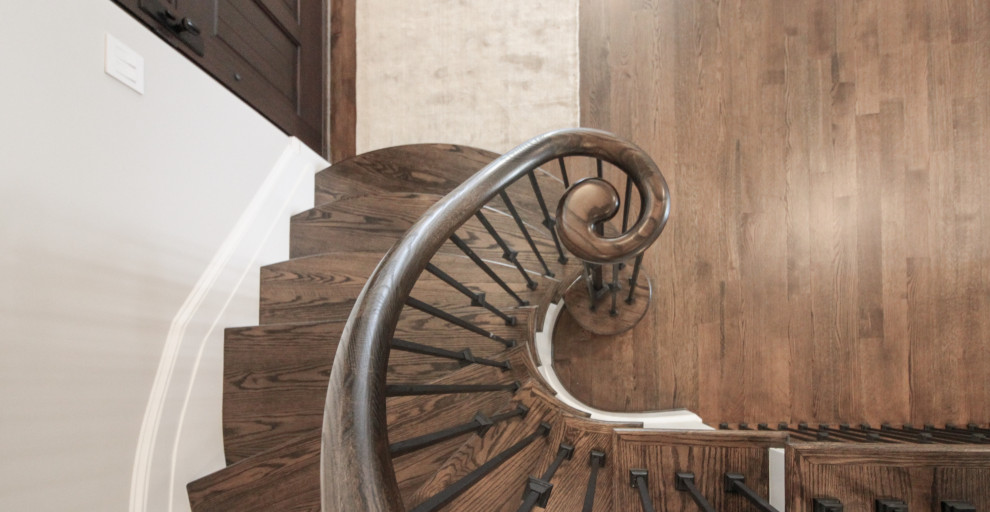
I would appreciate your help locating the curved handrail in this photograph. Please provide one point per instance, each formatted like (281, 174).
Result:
(356, 466)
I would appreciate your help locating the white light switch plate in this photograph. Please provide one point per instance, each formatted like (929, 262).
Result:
(124, 64)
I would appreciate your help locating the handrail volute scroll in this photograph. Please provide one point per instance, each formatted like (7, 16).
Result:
(356, 466)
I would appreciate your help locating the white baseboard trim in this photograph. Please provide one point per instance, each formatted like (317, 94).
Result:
(676, 419)
(287, 189)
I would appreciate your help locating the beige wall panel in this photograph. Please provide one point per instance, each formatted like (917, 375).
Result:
(481, 73)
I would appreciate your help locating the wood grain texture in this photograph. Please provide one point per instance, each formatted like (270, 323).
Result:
(709, 455)
(571, 481)
(922, 476)
(501, 489)
(342, 102)
(284, 478)
(826, 258)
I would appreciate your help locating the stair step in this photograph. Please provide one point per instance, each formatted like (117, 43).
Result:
(324, 286)
(276, 375)
(285, 478)
(375, 223)
(412, 416)
(570, 483)
(501, 489)
(428, 168)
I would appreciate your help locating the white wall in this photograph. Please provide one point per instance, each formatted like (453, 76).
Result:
(131, 230)
(476, 72)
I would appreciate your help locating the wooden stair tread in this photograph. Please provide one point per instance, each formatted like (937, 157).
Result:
(571, 481)
(285, 478)
(374, 223)
(430, 168)
(276, 375)
(325, 286)
(502, 488)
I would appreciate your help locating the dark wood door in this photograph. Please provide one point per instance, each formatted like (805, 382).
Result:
(268, 52)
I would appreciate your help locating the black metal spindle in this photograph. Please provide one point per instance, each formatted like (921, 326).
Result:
(477, 299)
(639, 478)
(596, 461)
(685, 482)
(599, 167)
(633, 280)
(958, 434)
(507, 253)
(538, 489)
(464, 356)
(626, 203)
(589, 281)
(829, 504)
(975, 427)
(735, 483)
(454, 490)
(446, 389)
(870, 437)
(479, 424)
(563, 172)
(463, 246)
(891, 505)
(525, 232)
(957, 506)
(888, 432)
(548, 221)
(464, 324)
(850, 435)
(614, 289)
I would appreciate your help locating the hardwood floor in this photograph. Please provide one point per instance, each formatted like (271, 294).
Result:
(828, 253)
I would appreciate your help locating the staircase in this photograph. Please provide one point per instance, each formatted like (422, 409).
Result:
(416, 300)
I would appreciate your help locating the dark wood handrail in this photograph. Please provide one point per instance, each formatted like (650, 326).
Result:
(357, 472)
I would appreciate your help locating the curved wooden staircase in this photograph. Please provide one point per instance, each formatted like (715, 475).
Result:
(472, 425)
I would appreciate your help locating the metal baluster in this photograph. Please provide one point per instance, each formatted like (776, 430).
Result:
(685, 482)
(626, 204)
(847, 434)
(959, 434)
(477, 299)
(480, 424)
(538, 489)
(805, 436)
(635, 277)
(465, 356)
(446, 389)
(614, 288)
(509, 255)
(639, 479)
(454, 490)
(548, 221)
(443, 315)
(735, 483)
(563, 172)
(589, 281)
(596, 461)
(525, 232)
(599, 166)
(484, 266)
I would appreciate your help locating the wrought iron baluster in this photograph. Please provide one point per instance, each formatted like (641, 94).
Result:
(538, 489)
(484, 267)
(634, 279)
(563, 172)
(465, 356)
(639, 478)
(548, 221)
(625, 205)
(479, 424)
(735, 483)
(509, 255)
(685, 482)
(614, 289)
(525, 232)
(446, 389)
(596, 461)
(464, 324)
(599, 167)
(477, 299)
(454, 490)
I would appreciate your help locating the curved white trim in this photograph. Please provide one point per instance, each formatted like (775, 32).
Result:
(273, 202)
(675, 419)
